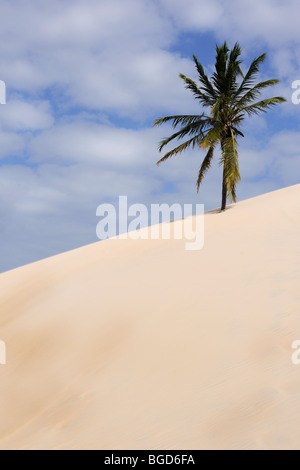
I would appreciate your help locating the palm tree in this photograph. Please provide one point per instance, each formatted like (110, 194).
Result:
(231, 96)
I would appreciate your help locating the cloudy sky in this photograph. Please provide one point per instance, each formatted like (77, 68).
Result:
(85, 80)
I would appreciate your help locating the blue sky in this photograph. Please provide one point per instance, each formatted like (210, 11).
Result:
(86, 79)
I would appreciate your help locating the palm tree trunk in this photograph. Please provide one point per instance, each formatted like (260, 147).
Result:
(224, 191)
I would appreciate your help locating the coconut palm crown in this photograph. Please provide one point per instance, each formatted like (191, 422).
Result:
(230, 96)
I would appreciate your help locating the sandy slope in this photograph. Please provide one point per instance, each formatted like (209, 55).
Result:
(143, 345)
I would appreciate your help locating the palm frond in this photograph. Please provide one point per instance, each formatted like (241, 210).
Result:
(207, 87)
(190, 129)
(198, 94)
(250, 75)
(218, 77)
(181, 148)
(235, 53)
(237, 131)
(229, 160)
(217, 108)
(212, 136)
(180, 119)
(233, 70)
(262, 106)
(255, 91)
(206, 164)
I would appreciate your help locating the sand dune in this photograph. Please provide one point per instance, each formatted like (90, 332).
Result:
(141, 344)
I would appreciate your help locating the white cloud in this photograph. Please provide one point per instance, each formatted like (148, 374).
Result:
(97, 144)
(277, 161)
(133, 85)
(18, 115)
(196, 15)
(97, 53)
(273, 21)
(11, 144)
